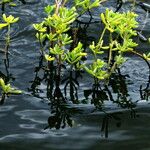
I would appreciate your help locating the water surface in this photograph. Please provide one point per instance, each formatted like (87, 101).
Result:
(24, 117)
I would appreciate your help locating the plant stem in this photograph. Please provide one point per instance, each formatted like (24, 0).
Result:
(41, 46)
(141, 56)
(110, 51)
(2, 99)
(6, 59)
(64, 2)
(7, 42)
(58, 4)
(102, 35)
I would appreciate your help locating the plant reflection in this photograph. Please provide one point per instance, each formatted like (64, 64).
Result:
(6, 79)
(48, 77)
(145, 92)
(115, 91)
(61, 83)
(72, 84)
(60, 117)
(37, 79)
(5, 89)
(106, 120)
(117, 117)
(144, 6)
(51, 73)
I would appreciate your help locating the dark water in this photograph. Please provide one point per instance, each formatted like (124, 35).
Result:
(24, 117)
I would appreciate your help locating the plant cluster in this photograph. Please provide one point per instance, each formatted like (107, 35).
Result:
(64, 47)
(7, 23)
(7, 90)
(56, 44)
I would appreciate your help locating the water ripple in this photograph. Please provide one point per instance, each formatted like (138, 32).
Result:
(6, 108)
(37, 116)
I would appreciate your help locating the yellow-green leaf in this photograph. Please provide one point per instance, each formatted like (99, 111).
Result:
(2, 25)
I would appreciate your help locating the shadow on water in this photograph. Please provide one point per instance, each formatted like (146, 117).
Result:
(115, 93)
(59, 92)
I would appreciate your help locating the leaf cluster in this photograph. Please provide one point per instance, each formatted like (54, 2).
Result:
(7, 89)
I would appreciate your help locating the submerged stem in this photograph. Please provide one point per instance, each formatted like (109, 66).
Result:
(110, 51)
(6, 59)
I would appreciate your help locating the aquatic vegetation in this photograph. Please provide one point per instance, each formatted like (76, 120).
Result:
(64, 74)
(62, 50)
(123, 26)
(7, 23)
(7, 90)
(64, 47)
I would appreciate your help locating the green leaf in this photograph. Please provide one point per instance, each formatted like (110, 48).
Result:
(2, 25)
(49, 58)
(14, 91)
(120, 60)
(75, 55)
(7, 89)
(40, 27)
(65, 38)
(2, 83)
(49, 9)
(52, 36)
(147, 57)
(56, 50)
(12, 4)
(41, 36)
(10, 19)
(95, 4)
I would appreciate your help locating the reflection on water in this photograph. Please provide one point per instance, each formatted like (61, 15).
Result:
(81, 126)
